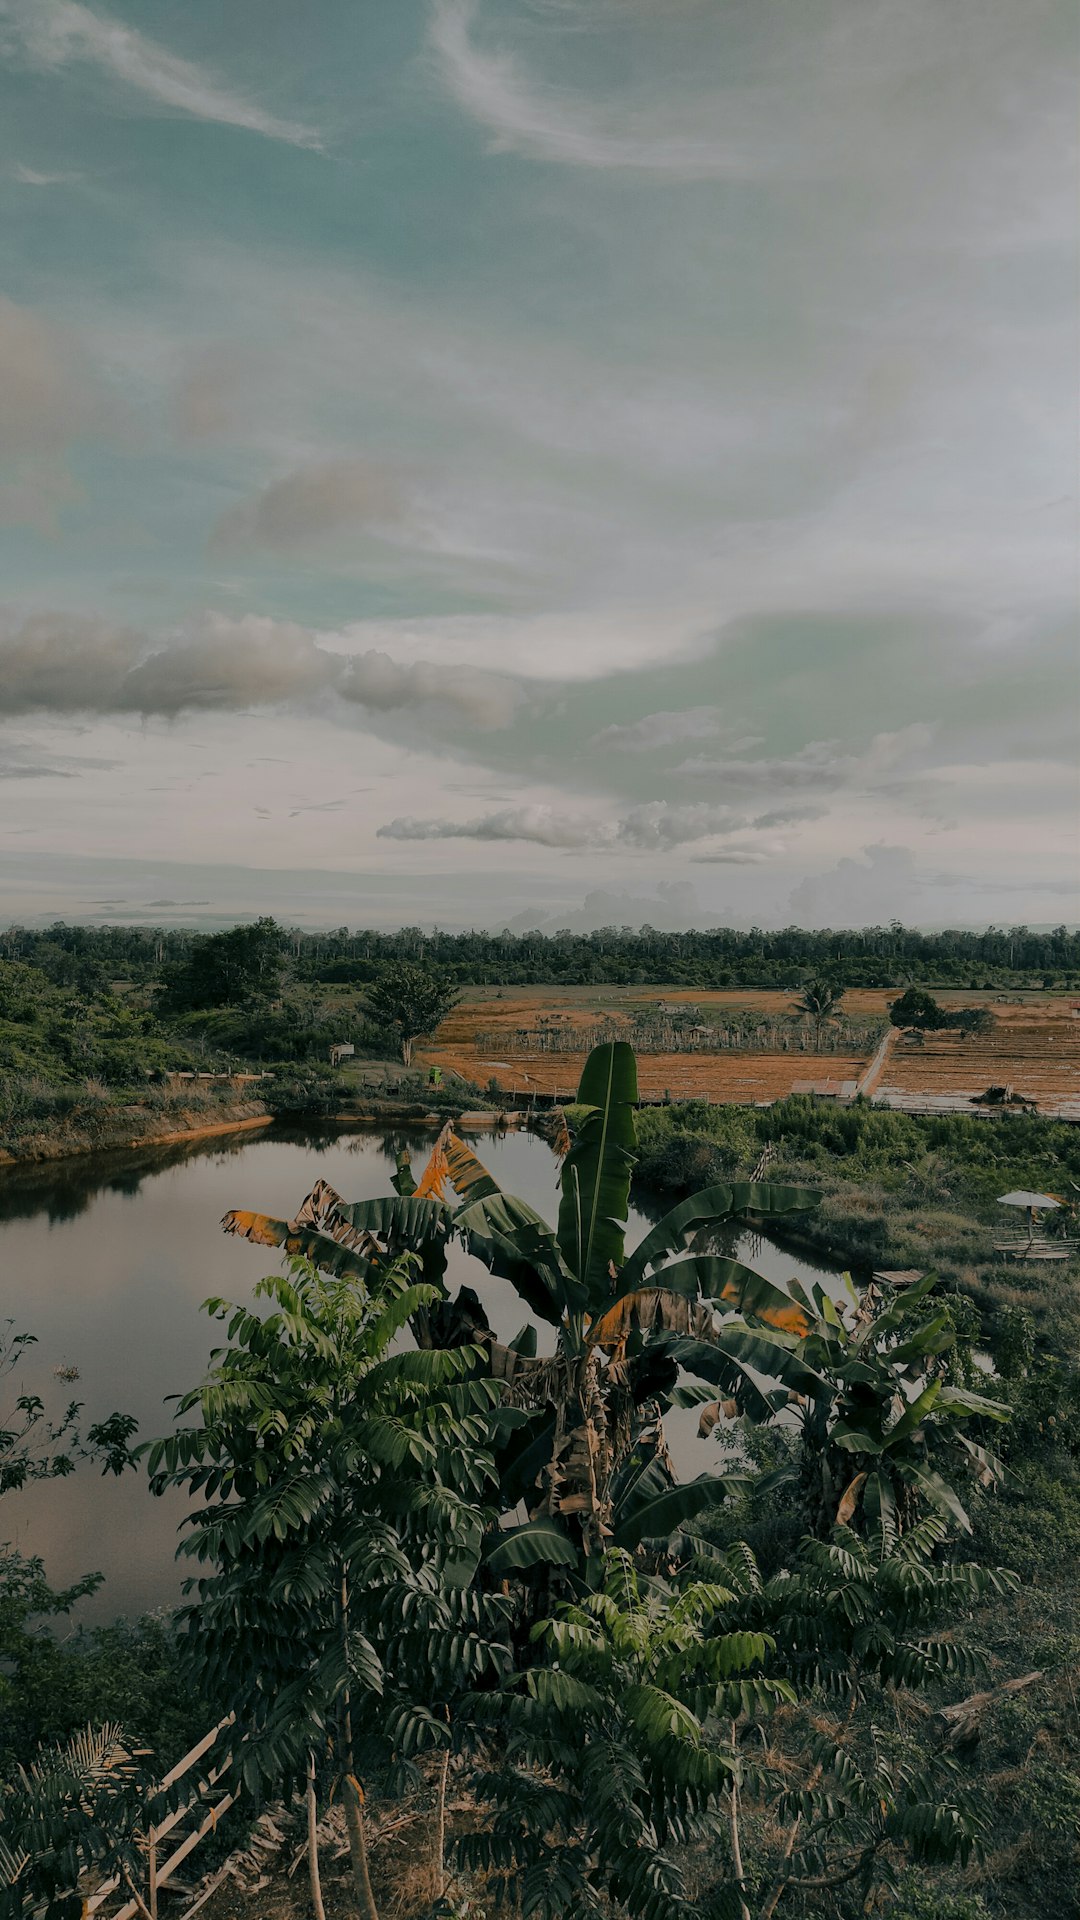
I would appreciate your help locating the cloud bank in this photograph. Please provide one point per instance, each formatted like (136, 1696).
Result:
(70, 664)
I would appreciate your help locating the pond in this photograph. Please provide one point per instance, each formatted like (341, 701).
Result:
(107, 1259)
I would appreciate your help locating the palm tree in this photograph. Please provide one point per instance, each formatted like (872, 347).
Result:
(820, 1001)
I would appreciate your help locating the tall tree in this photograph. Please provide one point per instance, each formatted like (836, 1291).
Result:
(340, 1529)
(820, 1000)
(412, 1000)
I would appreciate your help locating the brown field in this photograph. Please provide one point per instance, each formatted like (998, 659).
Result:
(1035, 1048)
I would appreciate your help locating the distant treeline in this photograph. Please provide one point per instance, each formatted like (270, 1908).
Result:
(88, 957)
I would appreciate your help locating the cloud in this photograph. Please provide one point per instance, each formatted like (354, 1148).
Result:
(665, 730)
(820, 764)
(69, 663)
(377, 681)
(542, 826)
(529, 117)
(53, 34)
(312, 503)
(787, 816)
(30, 177)
(656, 827)
(45, 396)
(48, 399)
(881, 886)
(674, 907)
(736, 857)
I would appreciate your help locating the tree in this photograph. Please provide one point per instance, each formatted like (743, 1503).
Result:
(625, 1326)
(82, 1807)
(340, 1528)
(820, 1001)
(226, 969)
(649, 1723)
(74, 1806)
(412, 1000)
(614, 1751)
(918, 1009)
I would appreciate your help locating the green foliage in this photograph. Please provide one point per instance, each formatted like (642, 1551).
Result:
(339, 1522)
(80, 1807)
(881, 1418)
(721, 957)
(605, 1746)
(917, 1009)
(226, 969)
(411, 1001)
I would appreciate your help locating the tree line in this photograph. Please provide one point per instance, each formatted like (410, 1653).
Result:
(889, 956)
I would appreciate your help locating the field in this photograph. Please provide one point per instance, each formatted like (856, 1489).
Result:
(1034, 1048)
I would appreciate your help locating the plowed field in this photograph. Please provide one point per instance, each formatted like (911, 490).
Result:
(724, 1076)
(1034, 1048)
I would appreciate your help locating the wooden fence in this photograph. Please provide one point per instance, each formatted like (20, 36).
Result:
(208, 1801)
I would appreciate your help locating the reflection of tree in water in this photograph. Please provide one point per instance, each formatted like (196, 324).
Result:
(64, 1189)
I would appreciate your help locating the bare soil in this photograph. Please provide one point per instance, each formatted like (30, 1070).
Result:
(1034, 1047)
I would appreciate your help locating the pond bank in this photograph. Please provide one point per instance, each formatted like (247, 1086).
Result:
(107, 1129)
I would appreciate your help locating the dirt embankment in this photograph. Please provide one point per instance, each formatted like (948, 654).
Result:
(104, 1129)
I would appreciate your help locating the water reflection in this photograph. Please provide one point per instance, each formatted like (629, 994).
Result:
(108, 1259)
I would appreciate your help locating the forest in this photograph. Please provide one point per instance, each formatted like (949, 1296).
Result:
(89, 957)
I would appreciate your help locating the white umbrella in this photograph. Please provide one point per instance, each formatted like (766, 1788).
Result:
(1032, 1202)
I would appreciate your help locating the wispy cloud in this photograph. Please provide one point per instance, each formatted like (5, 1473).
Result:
(313, 503)
(60, 33)
(670, 729)
(524, 115)
(31, 177)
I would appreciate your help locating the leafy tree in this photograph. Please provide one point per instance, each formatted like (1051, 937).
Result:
(52, 1813)
(412, 1000)
(820, 1000)
(82, 1807)
(650, 1724)
(916, 1009)
(340, 1530)
(226, 969)
(614, 1752)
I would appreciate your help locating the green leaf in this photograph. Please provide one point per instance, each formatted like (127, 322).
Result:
(913, 1415)
(595, 1178)
(537, 1543)
(658, 1518)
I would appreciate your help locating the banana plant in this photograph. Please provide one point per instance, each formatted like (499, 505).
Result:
(882, 1437)
(626, 1327)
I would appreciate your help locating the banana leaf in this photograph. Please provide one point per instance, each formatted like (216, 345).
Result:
(727, 1282)
(402, 1220)
(710, 1207)
(662, 1515)
(595, 1177)
(737, 1357)
(326, 1254)
(538, 1543)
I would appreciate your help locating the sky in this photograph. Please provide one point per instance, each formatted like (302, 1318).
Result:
(519, 461)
